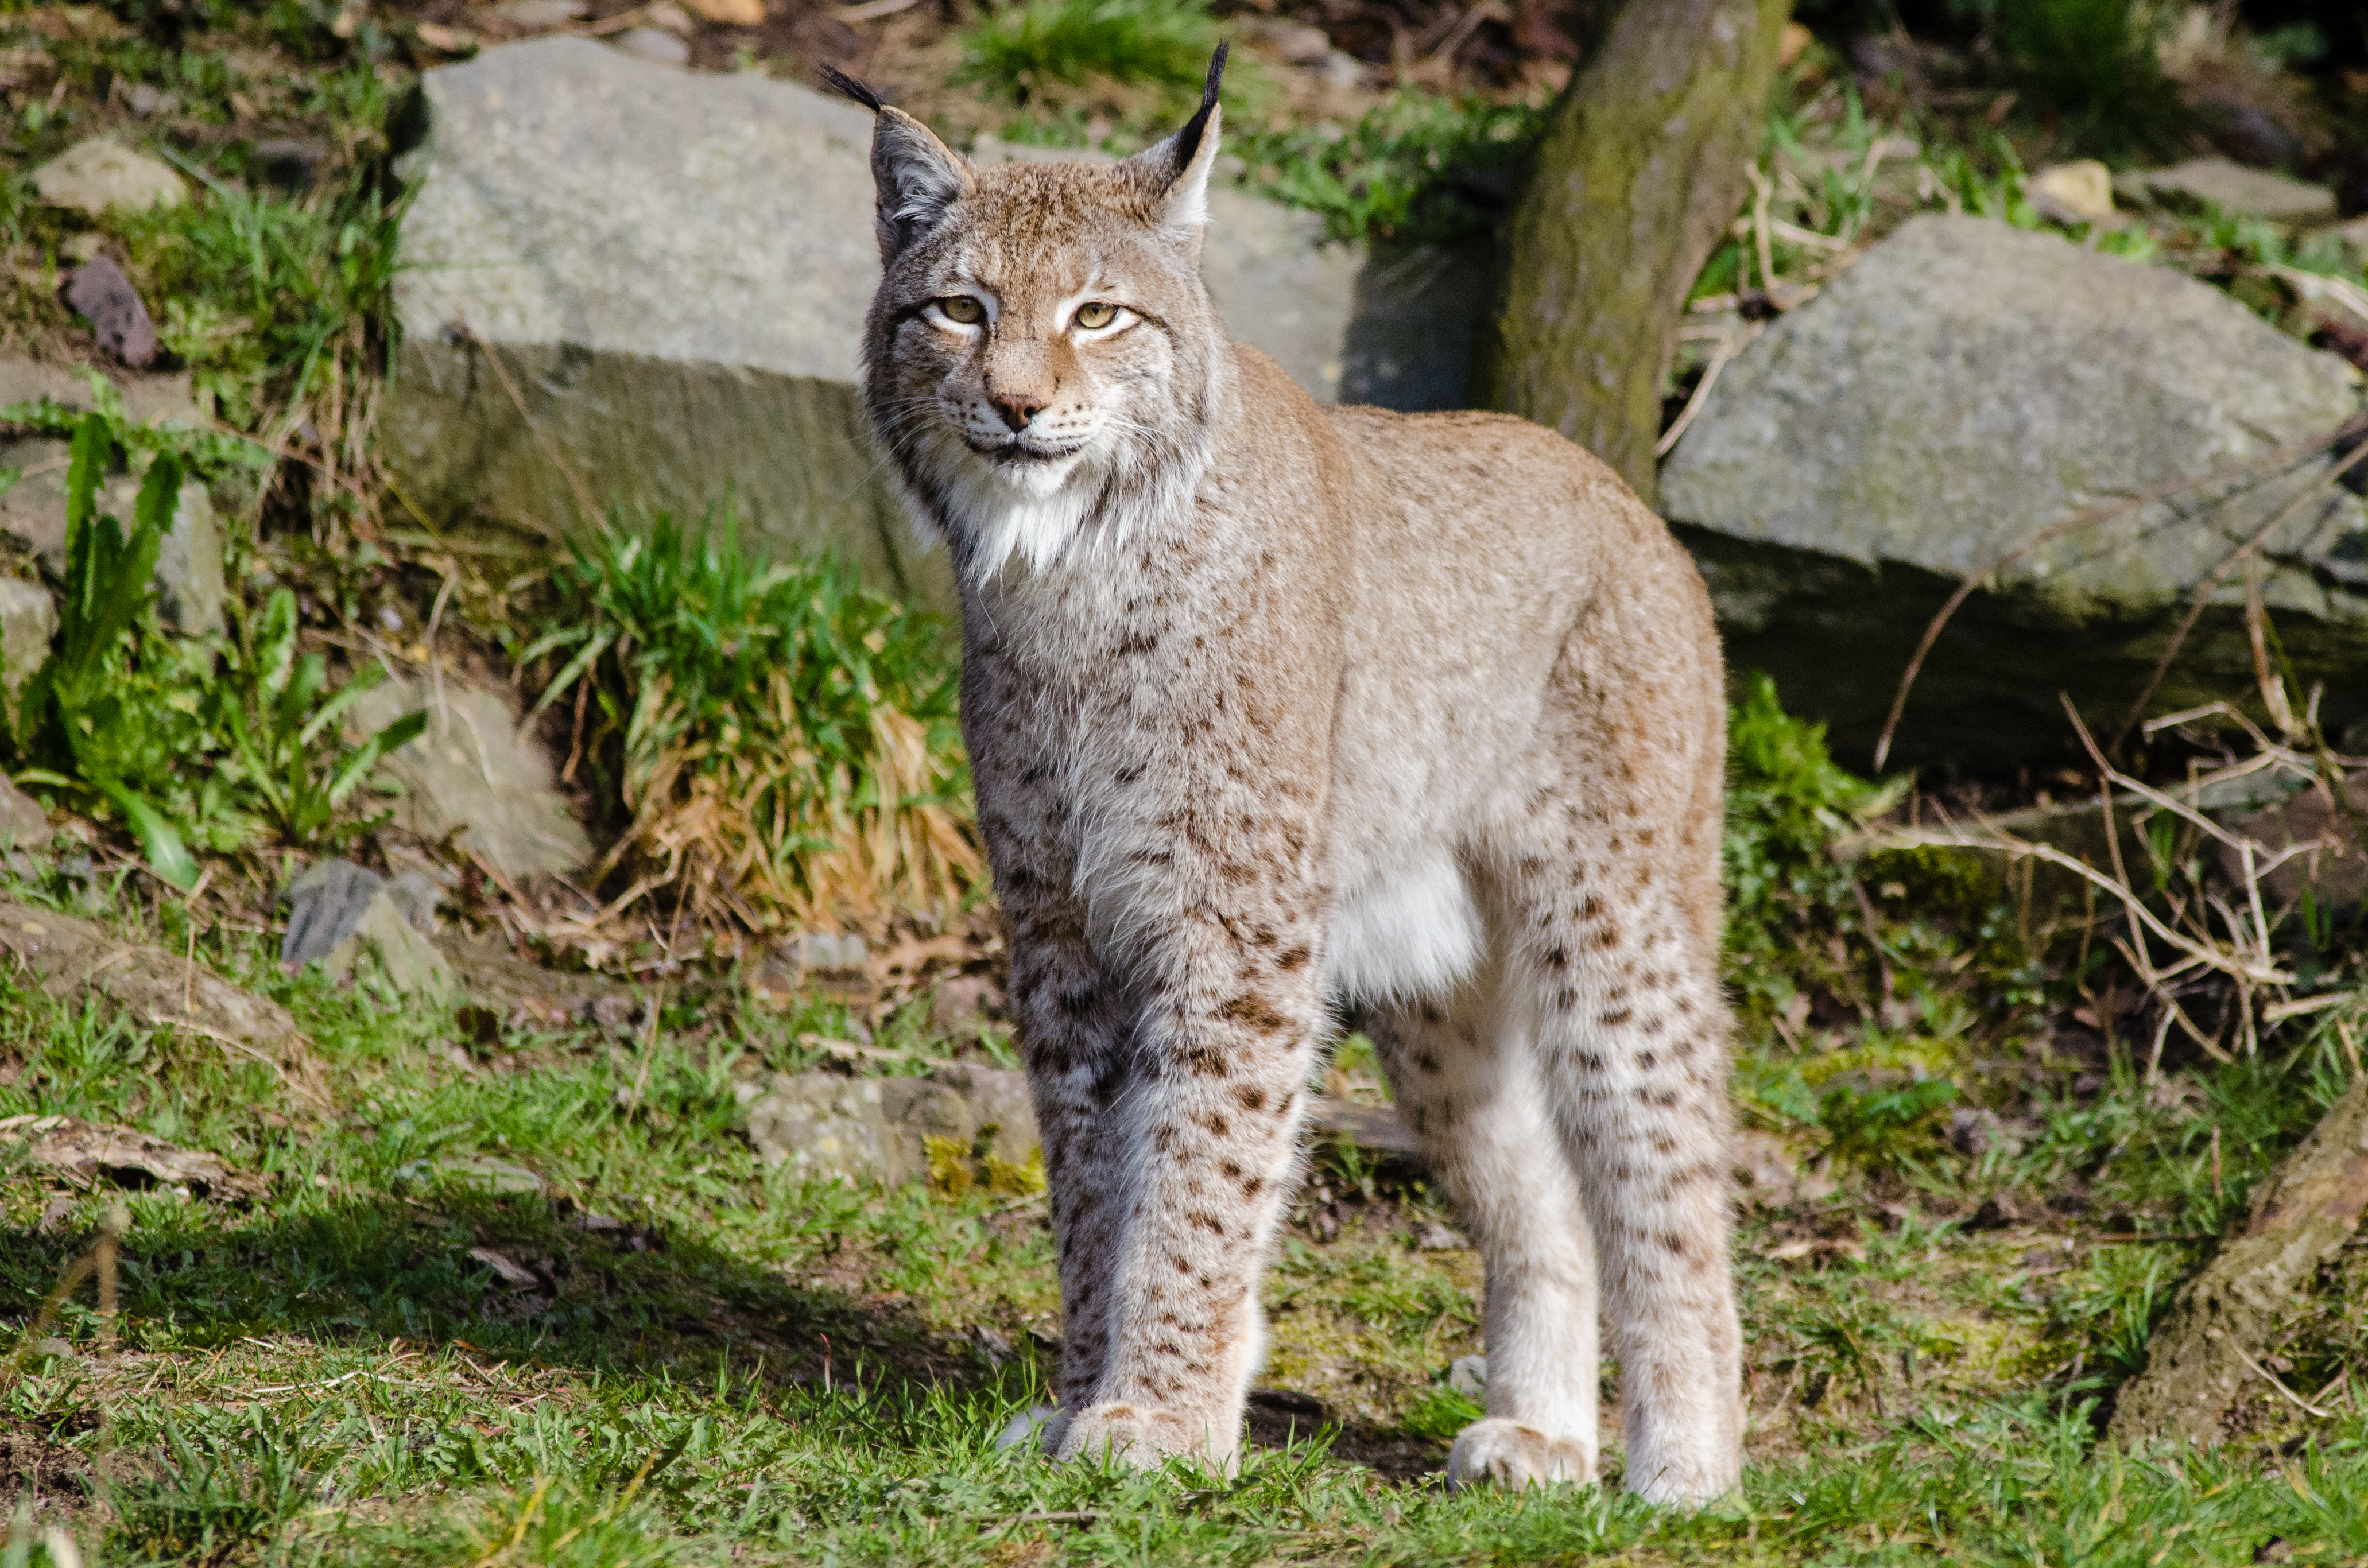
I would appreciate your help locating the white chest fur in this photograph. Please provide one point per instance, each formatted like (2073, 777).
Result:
(1412, 930)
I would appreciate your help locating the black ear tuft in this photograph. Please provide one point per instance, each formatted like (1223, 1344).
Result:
(1188, 140)
(840, 81)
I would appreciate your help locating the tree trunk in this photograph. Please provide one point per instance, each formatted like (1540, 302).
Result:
(2199, 1361)
(1641, 168)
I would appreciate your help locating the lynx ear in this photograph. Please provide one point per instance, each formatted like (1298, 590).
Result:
(1177, 170)
(917, 176)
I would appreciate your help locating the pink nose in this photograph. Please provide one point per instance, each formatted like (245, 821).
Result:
(1016, 408)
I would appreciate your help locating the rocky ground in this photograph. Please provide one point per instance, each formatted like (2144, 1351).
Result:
(579, 1123)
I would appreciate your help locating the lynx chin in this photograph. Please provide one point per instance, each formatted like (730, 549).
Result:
(1279, 712)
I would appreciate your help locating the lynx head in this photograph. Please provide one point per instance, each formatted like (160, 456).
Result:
(1041, 359)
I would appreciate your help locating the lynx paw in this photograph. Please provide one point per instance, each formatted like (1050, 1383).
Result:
(1497, 1452)
(1137, 1437)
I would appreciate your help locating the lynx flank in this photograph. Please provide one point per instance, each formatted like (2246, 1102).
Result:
(1274, 709)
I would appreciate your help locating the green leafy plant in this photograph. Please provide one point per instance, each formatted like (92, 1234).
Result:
(783, 741)
(187, 738)
(1881, 1126)
(284, 725)
(78, 717)
(1786, 803)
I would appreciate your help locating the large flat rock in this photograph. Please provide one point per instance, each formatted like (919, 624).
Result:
(1966, 387)
(627, 284)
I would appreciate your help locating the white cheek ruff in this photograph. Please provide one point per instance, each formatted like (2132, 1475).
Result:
(1413, 933)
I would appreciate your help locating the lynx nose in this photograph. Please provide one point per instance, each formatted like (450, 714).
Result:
(1016, 408)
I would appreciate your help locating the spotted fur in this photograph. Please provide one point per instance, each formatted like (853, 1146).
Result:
(1276, 710)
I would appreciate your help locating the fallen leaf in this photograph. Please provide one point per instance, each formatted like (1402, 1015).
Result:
(444, 39)
(88, 1153)
(512, 1274)
(729, 13)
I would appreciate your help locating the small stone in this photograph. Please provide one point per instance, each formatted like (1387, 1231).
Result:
(516, 1274)
(191, 591)
(324, 906)
(826, 950)
(477, 770)
(1435, 1237)
(2074, 193)
(288, 162)
(501, 1178)
(962, 999)
(101, 295)
(655, 46)
(2231, 186)
(418, 896)
(338, 912)
(100, 176)
(410, 964)
(29, 619)
(147, 100)
(1468, 1375)
(821, 1124)
(23, 824)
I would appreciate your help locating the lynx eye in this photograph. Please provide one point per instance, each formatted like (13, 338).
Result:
(961, 310)
(1095, 314)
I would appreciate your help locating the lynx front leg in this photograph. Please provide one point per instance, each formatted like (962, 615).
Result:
(1072, 1017)
(1209, 1126)
(1466, 1082)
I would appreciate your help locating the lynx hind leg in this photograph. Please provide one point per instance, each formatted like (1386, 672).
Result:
(1467, 1084)
(1631, 1031)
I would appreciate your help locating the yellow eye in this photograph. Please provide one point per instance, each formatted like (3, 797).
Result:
(1096, 314)
(964, 309)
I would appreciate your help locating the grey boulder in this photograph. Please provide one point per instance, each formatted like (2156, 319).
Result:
(2231, 186)
(1970, 399)
(624, 284)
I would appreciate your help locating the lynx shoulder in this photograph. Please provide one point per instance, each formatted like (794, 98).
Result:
(1276, 711)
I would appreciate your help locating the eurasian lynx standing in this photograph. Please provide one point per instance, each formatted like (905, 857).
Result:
(1273, 708)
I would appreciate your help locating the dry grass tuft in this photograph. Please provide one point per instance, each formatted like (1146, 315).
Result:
(782, 741)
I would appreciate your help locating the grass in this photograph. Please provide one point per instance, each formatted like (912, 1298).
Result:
(687, 1356)
(746, 1367)
(1418, 166)
(782, 741)
(1022, 49)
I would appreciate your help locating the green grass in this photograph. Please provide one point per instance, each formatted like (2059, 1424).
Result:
(1021, 49)
(1418, 167)
(748, 1368)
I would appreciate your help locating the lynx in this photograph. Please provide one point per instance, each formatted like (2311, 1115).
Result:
(1280, 714)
